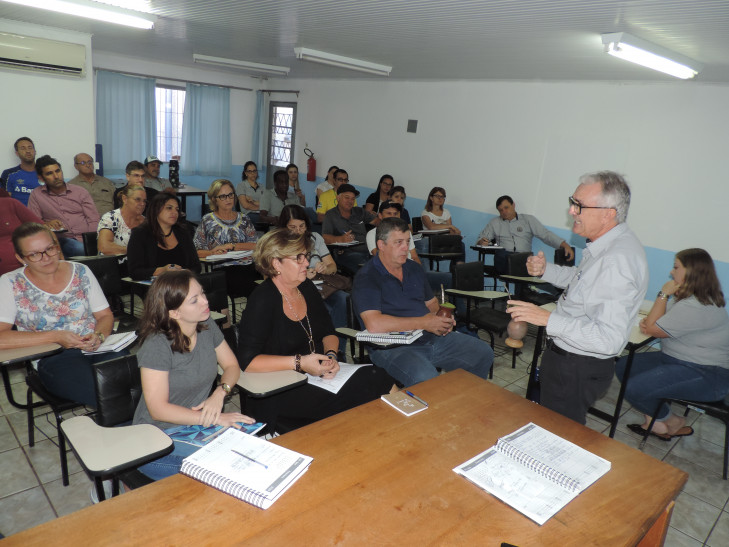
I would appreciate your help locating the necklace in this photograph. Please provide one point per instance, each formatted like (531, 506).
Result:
(309, 333)
(168, 235)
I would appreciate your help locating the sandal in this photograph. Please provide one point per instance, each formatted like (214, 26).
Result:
(640, 430)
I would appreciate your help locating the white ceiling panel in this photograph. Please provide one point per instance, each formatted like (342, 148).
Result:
(420, 39)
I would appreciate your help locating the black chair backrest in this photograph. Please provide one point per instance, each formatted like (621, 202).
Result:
(445, 243)
(468, 276)
(213, 284)
(106, 272)
(90, 243)
(118, 390)
(560, 258)
(517, 264)
(417, 223)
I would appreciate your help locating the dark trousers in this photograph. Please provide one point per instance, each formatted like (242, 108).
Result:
(570, 384)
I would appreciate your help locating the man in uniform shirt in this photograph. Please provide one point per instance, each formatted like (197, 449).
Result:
(601, 298)
(19, 181)
(100, 188)
(63, 207)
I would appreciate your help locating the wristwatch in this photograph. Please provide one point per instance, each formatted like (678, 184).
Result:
(663, 296)
(226, 388)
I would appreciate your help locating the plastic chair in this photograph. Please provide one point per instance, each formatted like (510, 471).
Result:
(109, 452)
(90, 243)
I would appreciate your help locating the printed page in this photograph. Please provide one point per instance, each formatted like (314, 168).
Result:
(557, 453)
(251, 461)
(346, 371)
(526, 491)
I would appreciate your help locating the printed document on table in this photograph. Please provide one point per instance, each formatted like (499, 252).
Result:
(346, 371)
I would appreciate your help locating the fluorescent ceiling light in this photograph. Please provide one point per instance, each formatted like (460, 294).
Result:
(633, 49)
(243, 65)
(306, 54)
(90, 10)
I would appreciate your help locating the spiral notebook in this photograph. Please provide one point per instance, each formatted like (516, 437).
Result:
(534, 471)
(246, 467)
(401, 337)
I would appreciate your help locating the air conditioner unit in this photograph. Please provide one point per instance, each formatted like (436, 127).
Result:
(41, 55)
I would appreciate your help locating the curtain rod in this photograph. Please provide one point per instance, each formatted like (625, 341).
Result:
(173, 79)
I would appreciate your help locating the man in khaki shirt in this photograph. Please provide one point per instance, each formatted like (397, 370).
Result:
(100, 188)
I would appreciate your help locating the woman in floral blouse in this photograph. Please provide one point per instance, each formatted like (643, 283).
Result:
(53, 301)
(115, 226)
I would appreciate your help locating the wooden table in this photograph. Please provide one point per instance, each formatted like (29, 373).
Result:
(20, 355)
(379, 477)
(636, 340)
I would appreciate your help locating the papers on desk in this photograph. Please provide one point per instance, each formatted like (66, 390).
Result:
(438, 231)
(333, 385)
(232, 255)
(487, 247)
(344, 244)
(534, 471)
(246, 467)
(114, 342)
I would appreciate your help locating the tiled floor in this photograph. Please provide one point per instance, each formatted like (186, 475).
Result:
(31, 491)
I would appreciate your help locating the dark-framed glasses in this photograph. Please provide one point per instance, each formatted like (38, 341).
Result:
(300, 258)
(51, 250)
(90, 162)
(439, 196)
(223, 197)
(578, 206)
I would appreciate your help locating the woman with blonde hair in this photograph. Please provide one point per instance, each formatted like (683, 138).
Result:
(690, 318)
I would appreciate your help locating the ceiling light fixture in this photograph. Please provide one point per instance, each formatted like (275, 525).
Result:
(306, 54)
(91, 10)
(242, 65)
(630, 48)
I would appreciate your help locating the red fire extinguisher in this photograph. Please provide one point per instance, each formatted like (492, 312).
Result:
(310, 165)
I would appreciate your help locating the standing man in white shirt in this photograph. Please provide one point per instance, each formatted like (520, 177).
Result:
(602, 295)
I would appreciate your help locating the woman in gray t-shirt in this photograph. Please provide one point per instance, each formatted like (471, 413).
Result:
(181, 349)
(694, 359)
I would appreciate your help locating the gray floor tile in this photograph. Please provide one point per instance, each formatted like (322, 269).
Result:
(720, 534)
(694, 517)
(19, 423)
(45, 458)
(505, 372)
(75, 496)
(7, 437)
(656, 451)
(24, 510)
(674, 538)
(16, 472)
(702, 452)
(702, 483)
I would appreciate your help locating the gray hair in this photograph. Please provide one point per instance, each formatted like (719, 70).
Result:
(614, 191)
(388, 225)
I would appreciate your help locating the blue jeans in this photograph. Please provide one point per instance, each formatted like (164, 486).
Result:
(168, 465)
(417, 362)
(71, 247)
(655, 375)
(336, 305)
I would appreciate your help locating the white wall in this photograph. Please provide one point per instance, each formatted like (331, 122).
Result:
(57, 112)
(533, 140)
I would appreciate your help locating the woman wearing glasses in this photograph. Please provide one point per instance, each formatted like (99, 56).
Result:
(435, 216)
(381, 194)
(224, 229)
(115, 226)
(50, 300)
(285, 326)
(249, 191)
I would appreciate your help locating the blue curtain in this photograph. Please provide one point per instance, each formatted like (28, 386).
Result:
(126, 124)
(257, 139)
(206, 148)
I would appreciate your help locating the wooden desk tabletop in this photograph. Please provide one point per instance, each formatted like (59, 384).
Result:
(379, 477)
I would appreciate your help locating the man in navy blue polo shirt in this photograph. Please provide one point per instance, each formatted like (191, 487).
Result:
(391, 293)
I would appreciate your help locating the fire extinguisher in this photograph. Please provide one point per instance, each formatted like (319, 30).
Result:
(310, 165)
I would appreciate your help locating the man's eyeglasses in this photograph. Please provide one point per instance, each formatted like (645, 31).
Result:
(300, 258)
(90, 162)
(223, 197)
(342, 180)
(52, 250)
(578, 206)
